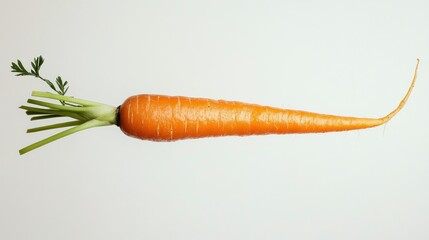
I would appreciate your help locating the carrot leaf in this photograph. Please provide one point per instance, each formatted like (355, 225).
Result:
(18, 68)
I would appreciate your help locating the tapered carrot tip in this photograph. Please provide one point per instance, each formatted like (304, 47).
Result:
(404, 100)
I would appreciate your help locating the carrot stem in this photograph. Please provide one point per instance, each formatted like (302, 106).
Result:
(83, 126)
(49, 95)
(54, 126)
(87, 114)
(33, 110)
(45, 116)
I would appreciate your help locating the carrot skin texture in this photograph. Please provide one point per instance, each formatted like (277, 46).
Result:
(170, 118)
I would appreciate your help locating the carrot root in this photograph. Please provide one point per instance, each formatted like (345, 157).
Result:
(169, 118)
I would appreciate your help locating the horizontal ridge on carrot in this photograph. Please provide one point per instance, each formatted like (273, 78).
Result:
(170, 118)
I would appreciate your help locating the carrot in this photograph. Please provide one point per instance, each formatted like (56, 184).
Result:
(169, 118)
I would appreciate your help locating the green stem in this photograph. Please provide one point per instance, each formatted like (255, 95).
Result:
(82, 102)
(56, 106)
(54, 126)
(35, 113)
(88, 114)
(45, 116)
(33, 110)
(86, 125)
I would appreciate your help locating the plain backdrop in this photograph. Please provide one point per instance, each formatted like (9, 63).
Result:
(338, 57)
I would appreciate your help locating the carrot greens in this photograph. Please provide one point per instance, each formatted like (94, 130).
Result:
(84, 114)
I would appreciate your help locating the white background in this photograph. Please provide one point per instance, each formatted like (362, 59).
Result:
(337, 57)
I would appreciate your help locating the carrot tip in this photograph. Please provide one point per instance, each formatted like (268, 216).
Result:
(405, 98)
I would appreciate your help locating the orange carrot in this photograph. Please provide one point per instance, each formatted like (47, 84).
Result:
(167, 118)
